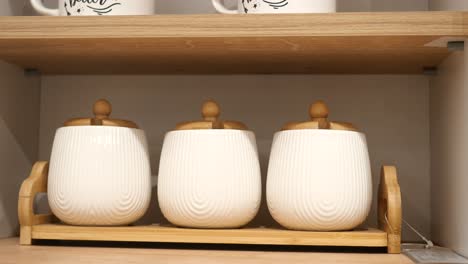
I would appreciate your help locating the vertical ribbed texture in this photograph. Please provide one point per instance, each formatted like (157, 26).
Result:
(99, 175)
(209, 178)
(319, 180)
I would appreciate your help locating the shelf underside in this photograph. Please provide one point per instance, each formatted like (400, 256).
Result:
(354, 43)
(254, 236)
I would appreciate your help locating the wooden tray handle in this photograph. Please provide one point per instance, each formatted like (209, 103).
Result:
(34, 184)
(390, 213)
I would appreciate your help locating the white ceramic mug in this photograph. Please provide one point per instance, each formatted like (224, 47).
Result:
(278, 6)
(96, 7)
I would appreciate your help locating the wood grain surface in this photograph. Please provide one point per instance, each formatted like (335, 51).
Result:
(12, 253)
(390, 207)
(391, 42)
(34, 184)
(254, 236)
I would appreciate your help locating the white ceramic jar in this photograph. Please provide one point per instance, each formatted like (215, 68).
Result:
(319, 176)
(99, 171)
(209, 174)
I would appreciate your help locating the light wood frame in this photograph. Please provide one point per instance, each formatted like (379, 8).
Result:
(39, 227)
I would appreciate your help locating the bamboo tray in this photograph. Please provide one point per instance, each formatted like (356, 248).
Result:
(42, 227)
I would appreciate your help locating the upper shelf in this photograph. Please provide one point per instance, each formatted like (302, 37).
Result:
(354, 43)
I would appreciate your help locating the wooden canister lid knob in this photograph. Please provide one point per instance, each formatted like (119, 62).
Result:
(318, 110)
(210, 111)
(102, 109)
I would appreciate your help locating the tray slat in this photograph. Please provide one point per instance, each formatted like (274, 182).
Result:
(256, 236)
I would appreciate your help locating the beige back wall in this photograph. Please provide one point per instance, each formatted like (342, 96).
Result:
(448, 4)
(391, 110)
(19, 127)
(449, 145)
(449, 142)
(11, 7)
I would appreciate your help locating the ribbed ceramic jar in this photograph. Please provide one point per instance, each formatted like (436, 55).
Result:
(99, 175)
(319, 179)
(209, 178)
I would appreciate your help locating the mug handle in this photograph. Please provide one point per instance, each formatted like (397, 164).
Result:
(221, 8)
(41, 9)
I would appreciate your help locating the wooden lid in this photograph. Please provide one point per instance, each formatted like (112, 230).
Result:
(102, 110)
(319, 120)
(210, 113)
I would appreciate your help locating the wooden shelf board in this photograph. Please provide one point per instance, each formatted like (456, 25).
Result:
(11, 253)
(354, 43)
(255, 236)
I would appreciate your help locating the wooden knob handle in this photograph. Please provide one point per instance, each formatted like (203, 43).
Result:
(210, 111)
(318, 110)
(102, 109)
